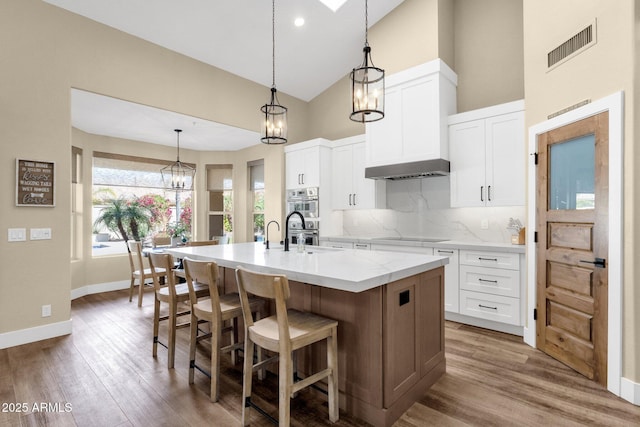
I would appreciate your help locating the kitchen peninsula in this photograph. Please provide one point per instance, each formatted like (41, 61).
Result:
(390, 312)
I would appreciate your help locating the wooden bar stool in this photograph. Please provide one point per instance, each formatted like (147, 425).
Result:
(138, 271)
(180, 271)
(283, 333)
(172, 294)
(216, 310)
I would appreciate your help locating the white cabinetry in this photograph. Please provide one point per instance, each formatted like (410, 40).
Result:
(490, 286)
(304, 163)
(451, 279)
(417, 103)
(349, 188)
(486, 150)
(451, 275)
(337, 245)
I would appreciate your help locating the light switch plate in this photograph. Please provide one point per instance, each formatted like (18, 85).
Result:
(17, 234)
(40, 234)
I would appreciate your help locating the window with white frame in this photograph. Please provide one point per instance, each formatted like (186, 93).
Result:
(129, 201)
(256, 193)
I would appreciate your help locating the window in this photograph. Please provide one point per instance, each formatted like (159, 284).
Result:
(125, 188)
(76, 203)
(256, 193)
(220, 189)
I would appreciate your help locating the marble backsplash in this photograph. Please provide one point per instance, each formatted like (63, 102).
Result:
(421, 207)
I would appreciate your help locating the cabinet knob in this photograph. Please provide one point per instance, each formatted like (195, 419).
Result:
(482, 193)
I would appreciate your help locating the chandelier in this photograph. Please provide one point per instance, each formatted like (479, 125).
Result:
(178, 176)
(367, 84)
(274, 116)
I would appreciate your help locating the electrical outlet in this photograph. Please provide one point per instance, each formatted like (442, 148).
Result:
(46, 310)
(484, 224)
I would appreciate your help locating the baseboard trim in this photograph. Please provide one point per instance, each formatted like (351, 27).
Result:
(38, 333)
(630, 391)
(98, 288)
(483, 323)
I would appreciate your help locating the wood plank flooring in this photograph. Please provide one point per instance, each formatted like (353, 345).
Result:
(104, 375)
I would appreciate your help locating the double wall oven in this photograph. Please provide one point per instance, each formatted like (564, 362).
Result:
(305, 201)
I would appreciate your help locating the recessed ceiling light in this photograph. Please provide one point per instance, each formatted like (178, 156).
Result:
(334, 5)
(299, 22)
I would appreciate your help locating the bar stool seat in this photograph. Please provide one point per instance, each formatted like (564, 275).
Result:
(283, 333)
(216, 310)
(171, 294)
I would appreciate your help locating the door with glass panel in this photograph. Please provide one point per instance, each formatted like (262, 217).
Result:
(572, 215)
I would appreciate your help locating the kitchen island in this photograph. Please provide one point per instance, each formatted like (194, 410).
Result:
(390, 312)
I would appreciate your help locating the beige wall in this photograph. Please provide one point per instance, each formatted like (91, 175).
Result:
(488, 52)
(47, 51)
(599, 71)
(480, 40)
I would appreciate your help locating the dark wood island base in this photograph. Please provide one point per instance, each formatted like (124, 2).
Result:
(390, 341)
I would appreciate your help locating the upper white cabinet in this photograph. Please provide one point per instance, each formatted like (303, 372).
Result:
(304, 163)
(418, 102)
(349, 188)
(486, 151)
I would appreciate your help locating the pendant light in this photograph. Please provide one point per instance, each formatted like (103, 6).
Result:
(274, 116)
(367, 84)
(178, 176)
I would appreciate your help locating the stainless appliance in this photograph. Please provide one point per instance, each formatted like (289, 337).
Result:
(305, 201)
(420, 169)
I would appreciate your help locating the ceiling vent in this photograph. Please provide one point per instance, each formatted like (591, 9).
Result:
(572, 47)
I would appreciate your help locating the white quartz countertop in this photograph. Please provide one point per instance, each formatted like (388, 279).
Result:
(430, 243)
(345, 269)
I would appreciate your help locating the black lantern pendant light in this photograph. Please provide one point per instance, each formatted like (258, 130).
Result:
(274, 116)
(367, 84)
(178, 176)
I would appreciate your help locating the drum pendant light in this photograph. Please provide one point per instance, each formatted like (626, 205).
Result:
(367, 84)
(178, 176)
(274, 116)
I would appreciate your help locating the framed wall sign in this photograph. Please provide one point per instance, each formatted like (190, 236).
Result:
(35, 183)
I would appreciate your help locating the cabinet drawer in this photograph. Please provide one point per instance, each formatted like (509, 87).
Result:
(398, 248)
(490, 307)
(339, 245)
(496, 281)
(507, 260)
(365, 246)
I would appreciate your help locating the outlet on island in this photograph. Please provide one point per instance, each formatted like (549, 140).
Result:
(484, 224)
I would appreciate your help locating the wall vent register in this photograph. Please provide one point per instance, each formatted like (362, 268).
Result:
(578, 43)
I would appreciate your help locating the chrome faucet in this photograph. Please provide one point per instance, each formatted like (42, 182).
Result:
(268, 224)
(286, 229)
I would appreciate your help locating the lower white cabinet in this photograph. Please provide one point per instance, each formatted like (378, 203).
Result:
(337, 245)
(451, 275)
(451, 279)
(490, 286)
(490, 307)
(481, 288)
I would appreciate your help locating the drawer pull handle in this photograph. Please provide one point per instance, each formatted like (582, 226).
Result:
(444, 252)
(487, 259)
(486, 306)
(488, 281)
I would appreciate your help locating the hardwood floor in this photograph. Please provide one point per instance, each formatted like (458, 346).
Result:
(104, 375)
